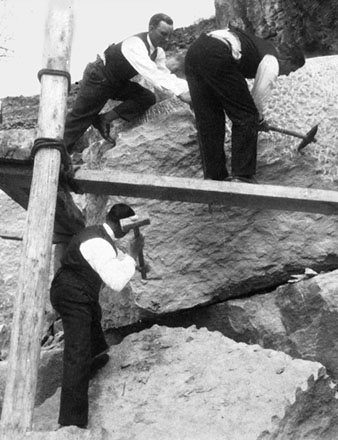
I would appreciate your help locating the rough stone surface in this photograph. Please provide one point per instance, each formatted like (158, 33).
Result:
(310, 24)
(156, 386)
(12, 222)
(49, 375)
(199, 257)
(300, 319)
(13, 218)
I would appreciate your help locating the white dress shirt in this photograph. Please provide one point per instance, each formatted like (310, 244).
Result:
(155, 72)
(115, 269)
(267, 71)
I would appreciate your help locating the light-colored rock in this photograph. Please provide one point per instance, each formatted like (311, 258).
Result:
(193, 384)
(12, 222)
(300, 319)
(49, 375)
(199, 257)
(16, 143)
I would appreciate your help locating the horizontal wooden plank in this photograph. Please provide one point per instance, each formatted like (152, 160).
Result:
(15, 181)
(18, 236)
(207, 191)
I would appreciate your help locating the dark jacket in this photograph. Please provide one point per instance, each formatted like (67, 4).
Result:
(253, 51)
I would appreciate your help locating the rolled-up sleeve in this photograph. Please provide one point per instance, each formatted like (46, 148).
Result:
(115, 269)
(265, 79)
(135, 51)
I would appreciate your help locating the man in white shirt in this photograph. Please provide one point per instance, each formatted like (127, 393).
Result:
(217, 66)
(110, 77)
(92, 258)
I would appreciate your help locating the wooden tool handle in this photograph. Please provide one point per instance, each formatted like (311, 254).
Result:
(141, 257)
(285, 131)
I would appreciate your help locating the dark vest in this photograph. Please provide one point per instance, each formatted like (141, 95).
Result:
(75, 270)
(253, 51)
(116, 66)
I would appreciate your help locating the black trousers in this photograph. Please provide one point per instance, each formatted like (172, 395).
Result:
(83, 340)
(217, 87)
(95, 90)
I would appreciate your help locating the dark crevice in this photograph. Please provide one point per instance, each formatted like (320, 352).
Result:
(211, 315)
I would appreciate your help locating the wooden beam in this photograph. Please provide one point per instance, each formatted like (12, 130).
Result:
(18, 236)
(15, 181)
(33, 277)
(246, 195)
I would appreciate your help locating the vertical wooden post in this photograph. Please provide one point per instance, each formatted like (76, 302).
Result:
(18, 405)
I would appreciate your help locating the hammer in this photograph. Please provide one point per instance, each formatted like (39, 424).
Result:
(135, 223)
(307, 138)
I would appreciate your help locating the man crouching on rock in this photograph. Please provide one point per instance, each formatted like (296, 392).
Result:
(111, 77)
(92, 258)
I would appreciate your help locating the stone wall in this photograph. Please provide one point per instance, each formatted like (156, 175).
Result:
(310, 24)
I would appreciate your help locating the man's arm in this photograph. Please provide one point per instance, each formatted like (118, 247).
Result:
(159, 76)
(266, 76)
(115, 269)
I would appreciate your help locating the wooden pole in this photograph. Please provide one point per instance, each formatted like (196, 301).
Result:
(33, 282)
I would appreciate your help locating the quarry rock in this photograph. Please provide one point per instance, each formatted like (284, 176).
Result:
(49, 375)
(167, 383)
(198, 256)
(198, 385)
(299, 319)
(310, 25)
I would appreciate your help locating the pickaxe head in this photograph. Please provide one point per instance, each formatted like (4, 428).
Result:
(134, 222)
(308, 138)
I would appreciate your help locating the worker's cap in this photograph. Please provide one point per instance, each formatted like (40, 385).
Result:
(120, 211)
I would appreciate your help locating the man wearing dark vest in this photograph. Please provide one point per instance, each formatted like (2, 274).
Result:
(217, 65)
(91, 259)
(110, 77)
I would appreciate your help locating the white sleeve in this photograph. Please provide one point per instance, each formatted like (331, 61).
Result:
(135, 51)
(266, 76)
(114, 269)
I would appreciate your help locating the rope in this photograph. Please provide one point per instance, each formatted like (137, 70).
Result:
(67, 171)
(56, 73)
(56, 144)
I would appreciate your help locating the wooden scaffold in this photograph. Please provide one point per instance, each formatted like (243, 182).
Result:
(54, 218)
(18, 405)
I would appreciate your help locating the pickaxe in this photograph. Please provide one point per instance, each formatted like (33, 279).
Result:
(307, 138)
(135, 223)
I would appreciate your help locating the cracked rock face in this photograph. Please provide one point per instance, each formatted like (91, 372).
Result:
(300, 319)
(198, 256)
(194, 384)
(309, 26)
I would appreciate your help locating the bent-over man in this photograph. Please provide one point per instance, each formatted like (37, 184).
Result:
(217, 65)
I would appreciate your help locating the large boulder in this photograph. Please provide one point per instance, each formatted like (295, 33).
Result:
(199, 257)
(300, 319)
(49, 375)
(194, 384)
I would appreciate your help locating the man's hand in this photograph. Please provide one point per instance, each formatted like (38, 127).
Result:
(135, 246)
(263, 125)
(185, 97)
